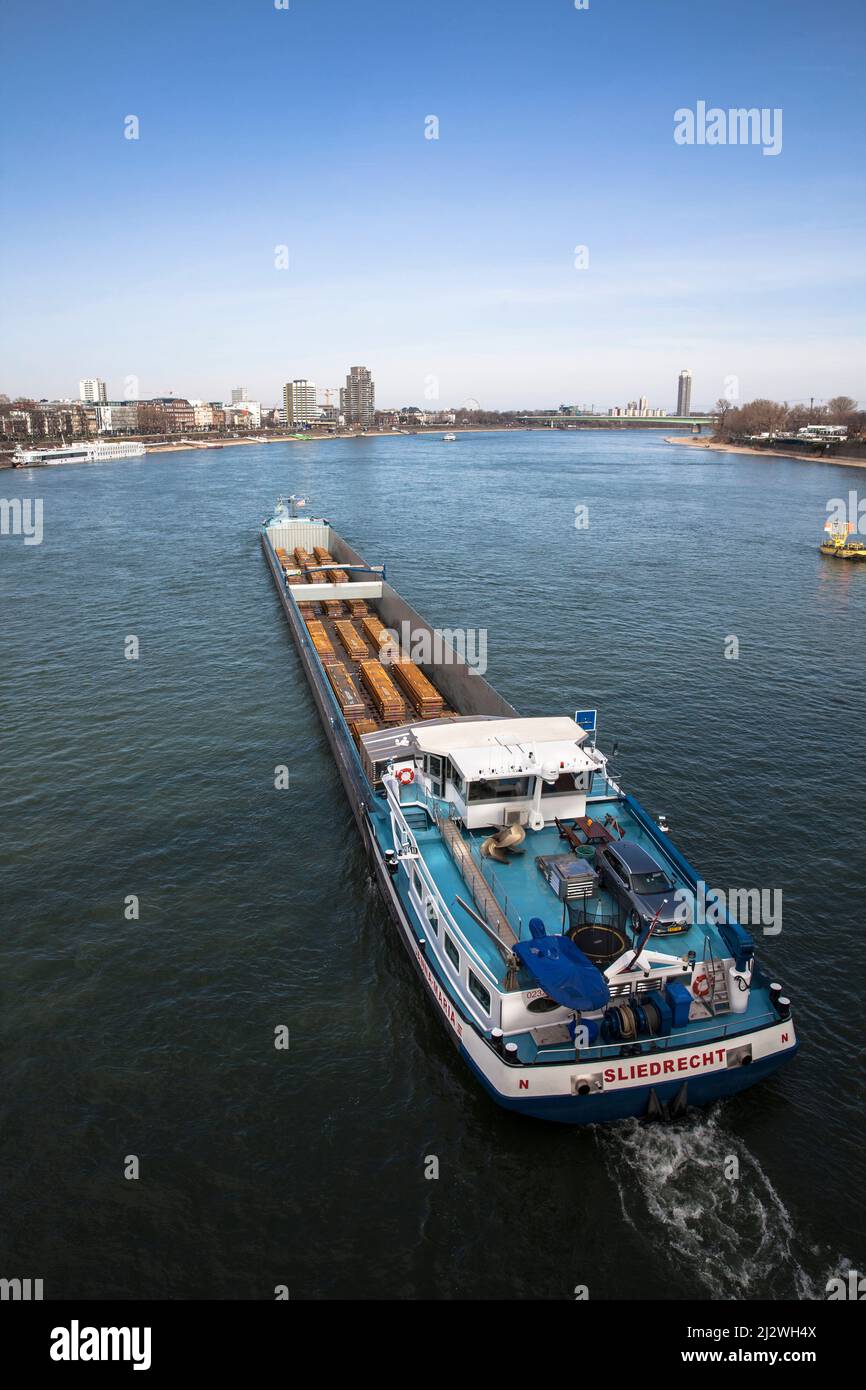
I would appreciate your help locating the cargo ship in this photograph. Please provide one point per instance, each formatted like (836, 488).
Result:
(562, 939)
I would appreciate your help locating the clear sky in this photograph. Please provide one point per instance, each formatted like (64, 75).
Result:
(449, 259)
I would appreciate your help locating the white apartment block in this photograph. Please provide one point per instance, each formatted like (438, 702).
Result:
(93, 390)
(299, 402)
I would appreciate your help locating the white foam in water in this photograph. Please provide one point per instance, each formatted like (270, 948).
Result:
(735, 1235)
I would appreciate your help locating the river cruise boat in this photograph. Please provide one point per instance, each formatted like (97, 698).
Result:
(98, 452)
(562, 939)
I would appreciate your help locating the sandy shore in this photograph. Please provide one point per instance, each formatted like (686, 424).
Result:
(174, 446)
(697, 443)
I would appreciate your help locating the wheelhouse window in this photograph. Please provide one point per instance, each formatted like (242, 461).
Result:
(565, 782)
(452, 952)
(477, 989)
(499, 789)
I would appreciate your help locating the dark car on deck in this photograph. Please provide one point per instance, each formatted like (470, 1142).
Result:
(642, 887)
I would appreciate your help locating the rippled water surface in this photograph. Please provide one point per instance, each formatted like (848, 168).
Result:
(155, 778)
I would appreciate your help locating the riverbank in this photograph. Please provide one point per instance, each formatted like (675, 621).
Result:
(699, 443)
(178, 446)
(175, 446)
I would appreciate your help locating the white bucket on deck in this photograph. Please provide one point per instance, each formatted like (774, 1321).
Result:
(739, 983)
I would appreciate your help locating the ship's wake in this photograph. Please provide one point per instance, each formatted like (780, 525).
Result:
(733, 1234)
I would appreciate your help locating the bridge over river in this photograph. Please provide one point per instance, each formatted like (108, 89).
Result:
(586, 421)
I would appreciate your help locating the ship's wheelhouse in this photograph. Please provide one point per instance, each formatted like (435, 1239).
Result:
(496, 772)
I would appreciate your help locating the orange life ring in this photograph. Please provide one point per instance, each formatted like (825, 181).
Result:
(700, 986)
(405, 776)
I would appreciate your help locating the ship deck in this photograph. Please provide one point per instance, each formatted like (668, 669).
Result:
(523, 892)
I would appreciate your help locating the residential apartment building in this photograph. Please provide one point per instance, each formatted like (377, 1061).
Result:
(93, 390)
(358, 397)
(299, 402)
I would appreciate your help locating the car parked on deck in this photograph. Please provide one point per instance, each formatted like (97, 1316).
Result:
(642, 887)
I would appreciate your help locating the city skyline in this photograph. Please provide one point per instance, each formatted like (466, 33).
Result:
(299, 399)
(515, 232)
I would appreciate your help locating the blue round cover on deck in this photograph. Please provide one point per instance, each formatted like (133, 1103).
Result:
(564, 972)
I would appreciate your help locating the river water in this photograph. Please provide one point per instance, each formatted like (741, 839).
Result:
(153, 1037)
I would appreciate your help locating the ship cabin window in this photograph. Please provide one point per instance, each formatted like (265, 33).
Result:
(568, 783)
(499, 789)
(418, 885)
(434, 771)
(451, 951)
(480, 993)
(432, 918)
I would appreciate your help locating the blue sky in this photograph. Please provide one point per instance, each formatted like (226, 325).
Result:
(441, 264)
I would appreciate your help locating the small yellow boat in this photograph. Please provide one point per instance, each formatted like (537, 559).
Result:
(839, 543)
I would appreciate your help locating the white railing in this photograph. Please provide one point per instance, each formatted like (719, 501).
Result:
(487, 873)
(406, 841)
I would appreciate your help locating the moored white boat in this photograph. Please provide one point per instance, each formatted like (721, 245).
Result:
(99, 451)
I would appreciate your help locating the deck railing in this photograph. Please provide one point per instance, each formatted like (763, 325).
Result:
(444, 813)
(408, 843)
(514, 919)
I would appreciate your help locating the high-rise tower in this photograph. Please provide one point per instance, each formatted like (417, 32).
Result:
(684, 392)
(358, 397)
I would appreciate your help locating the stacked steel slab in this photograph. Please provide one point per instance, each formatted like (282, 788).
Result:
(378, 633)
(303, 558)
(321, 642)
(306, 562)
(352, 640)
(324, 557)
(423, 694)
(347, 693)
(386, 697)
(359, 727)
